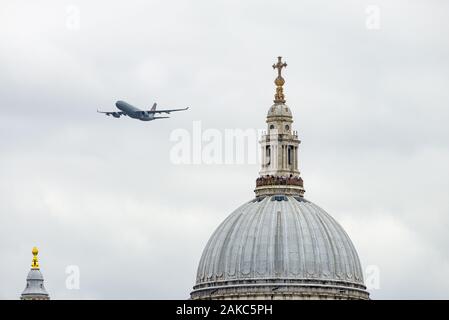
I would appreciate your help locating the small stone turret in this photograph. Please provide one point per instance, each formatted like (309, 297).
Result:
(35, 289)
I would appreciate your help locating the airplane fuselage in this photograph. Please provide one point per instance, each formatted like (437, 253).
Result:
(134, 112)
(144, 115)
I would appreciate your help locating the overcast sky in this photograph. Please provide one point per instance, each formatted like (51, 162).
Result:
(370, 100)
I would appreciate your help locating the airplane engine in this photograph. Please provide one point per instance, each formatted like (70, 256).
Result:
(116, 115)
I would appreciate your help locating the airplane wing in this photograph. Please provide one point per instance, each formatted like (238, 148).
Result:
(115, 114)
(165, 111)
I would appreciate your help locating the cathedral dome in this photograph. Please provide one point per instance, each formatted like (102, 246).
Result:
(279, 245)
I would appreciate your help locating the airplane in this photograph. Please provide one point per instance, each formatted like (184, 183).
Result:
(136, 113)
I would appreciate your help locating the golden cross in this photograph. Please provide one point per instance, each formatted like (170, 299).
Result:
(279, 65)
(279, 82)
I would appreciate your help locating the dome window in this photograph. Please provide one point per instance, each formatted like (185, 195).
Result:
(287, 127)
(279, 198)
(272, 127)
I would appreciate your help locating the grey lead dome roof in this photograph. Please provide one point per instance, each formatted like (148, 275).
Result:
(279, 237)
(279, 110)
(35, 284)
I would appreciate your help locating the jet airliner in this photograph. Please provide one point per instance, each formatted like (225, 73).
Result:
(145, 115)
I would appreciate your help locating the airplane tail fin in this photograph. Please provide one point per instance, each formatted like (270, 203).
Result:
(153, 107)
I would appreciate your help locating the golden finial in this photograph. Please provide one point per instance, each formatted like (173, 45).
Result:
(35, 262)
(279, 81)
